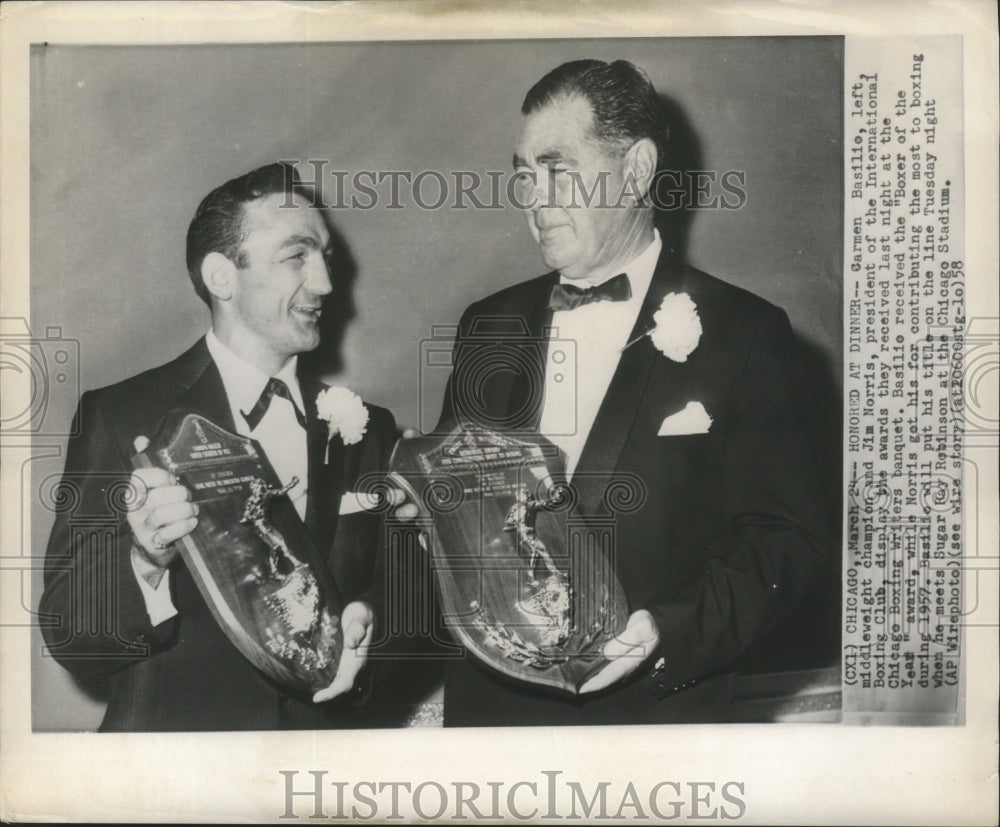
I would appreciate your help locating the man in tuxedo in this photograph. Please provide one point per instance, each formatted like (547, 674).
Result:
(123, 606)
(652, 375)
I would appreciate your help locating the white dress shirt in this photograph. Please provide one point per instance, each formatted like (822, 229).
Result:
(279, 433)
(585, 346)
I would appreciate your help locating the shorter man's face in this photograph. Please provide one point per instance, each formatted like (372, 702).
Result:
(557, 149)
(278, 295)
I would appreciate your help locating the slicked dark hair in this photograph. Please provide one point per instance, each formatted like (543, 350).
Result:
(217, 226)
(625, 105)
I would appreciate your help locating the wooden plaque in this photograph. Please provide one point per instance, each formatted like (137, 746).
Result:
(526, 588)
(250, 555)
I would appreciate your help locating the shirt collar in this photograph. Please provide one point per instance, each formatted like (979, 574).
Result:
(639, 271)
(243, 382)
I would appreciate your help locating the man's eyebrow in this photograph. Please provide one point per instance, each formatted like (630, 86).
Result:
(304, 240)
(555, 156)
(547, 158)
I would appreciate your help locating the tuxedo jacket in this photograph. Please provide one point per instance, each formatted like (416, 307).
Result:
(184, 674)
(732, 525)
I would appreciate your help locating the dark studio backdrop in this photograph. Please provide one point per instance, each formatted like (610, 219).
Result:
(125, 141)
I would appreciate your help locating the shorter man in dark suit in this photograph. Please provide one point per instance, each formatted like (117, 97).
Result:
(258, 254)
(643, 370)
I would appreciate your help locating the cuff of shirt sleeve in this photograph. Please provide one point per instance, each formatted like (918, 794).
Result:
(159, 605)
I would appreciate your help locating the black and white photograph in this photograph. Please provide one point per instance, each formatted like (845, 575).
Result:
(601, 398)
(726, 426)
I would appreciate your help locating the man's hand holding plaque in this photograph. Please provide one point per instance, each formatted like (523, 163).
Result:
(162, 514)
(212, 497)
(358, 626)
(627, 652)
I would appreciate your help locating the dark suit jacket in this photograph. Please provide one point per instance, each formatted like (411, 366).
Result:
(733, 528)
(184, 674)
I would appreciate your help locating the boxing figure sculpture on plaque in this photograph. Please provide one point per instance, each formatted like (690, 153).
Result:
(526, 587)
(250, 555)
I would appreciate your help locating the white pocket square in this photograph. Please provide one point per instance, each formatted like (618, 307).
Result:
(352, 502)
(694, 419)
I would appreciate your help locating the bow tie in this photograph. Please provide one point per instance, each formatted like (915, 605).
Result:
(274, 387)
(569, 296)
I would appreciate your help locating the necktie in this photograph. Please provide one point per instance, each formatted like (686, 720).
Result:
(274, 387)
(569, 296)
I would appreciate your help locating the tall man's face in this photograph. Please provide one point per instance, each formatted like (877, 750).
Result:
(277, 297)
(581, 232)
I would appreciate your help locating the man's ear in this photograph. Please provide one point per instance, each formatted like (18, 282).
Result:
(219, 276)
(640, 166)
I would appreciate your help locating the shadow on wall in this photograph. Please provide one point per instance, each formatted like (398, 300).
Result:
(684, 154)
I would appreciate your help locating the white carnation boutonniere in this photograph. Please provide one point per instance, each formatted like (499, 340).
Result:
(345, 414)
(677, 328)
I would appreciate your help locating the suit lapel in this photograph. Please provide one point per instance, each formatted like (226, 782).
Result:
(206, 395)
(616, 416)
(326, 469)
(527, 387)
